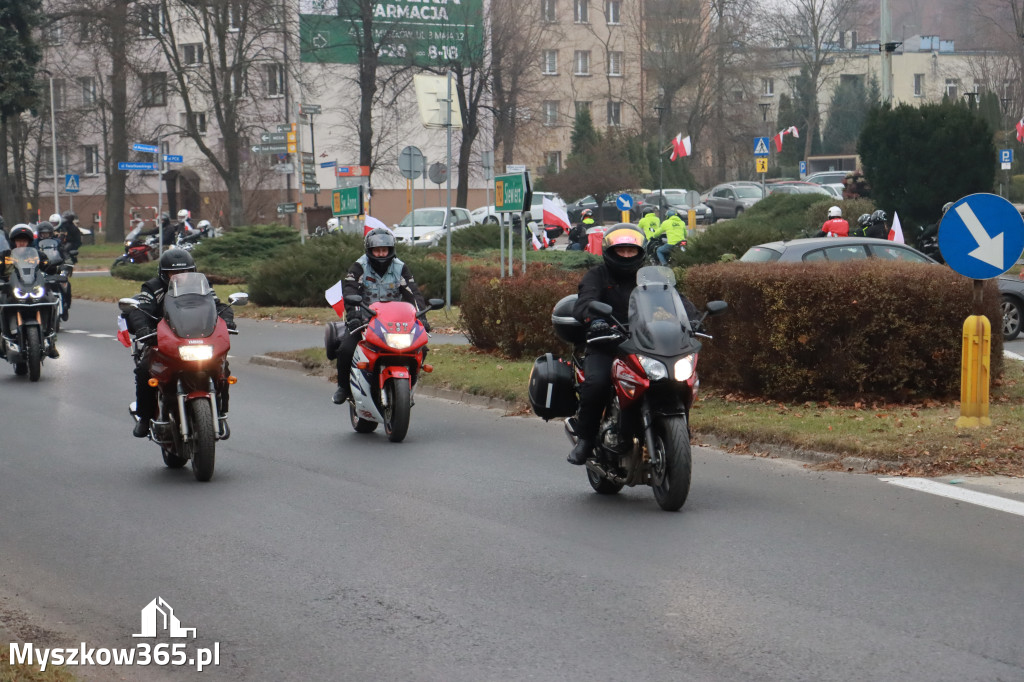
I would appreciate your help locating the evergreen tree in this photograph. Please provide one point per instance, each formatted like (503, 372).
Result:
(584, 135)
(19, 58)
(847, 113)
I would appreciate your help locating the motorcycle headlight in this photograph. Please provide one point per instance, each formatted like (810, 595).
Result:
(35, 292)
(655, 369)
(398, 341)
(127, 242)
(196, 353)
(684, 368)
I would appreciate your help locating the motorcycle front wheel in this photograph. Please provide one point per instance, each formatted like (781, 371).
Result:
(34, 352)
(601, 485)
(396, 414)
(204, 440)
(171, 459)
(670, 479)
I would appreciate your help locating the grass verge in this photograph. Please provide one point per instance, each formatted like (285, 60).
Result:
(27, 673)
(917, 439)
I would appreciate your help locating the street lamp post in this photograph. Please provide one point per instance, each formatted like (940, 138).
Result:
(765, 108)
(1005, 101)
(53, 144)
(661, 162)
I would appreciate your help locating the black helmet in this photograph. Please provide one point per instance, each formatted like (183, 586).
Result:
(21, 230)
(648, 210)
(45, 230)
(165, 218)
(623, 234)
(879, 216)
(68, 216)
(376, 238)
(864, 220)
(175, 261)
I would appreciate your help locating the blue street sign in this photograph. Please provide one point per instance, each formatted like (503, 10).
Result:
(981, 236)
(328, 164)
(172, 158)
(1005, 156)
(135, 165)
(803, 168)
(151, 148)
(624, 202)
(760, 146)
(71, 184)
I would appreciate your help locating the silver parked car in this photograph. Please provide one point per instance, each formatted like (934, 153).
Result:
(732, 198)
(429, 225)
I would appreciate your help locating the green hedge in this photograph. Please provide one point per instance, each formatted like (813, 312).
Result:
(846, 331)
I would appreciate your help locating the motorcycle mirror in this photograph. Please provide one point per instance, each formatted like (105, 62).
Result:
(239, 298)
(599, 308)
(354, 299)
(717, 307)
(436, 303)
(126, 304)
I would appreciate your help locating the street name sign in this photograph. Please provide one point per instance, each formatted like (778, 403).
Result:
(328, 164)
(173, 158)
(512, 193)
(291, 207)
(347, 201)
(151, 148)
(981, 236)
(135, 165)
(273, 137)
(309, 109)
(270, 149)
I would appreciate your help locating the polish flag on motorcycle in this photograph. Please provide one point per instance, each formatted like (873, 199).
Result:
(122, 332)
(896, 233)
(791, 130)
(681, 146)
(538, 237)
(555, 215)
(336, 299)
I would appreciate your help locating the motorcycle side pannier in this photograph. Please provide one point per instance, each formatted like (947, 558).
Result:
(551, 388)
(334, 333)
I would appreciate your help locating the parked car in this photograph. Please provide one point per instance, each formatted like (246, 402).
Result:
(610, 213)
(537, 205)
(732, 198)
(681, 200)
(488, 215)
(824, 249)
(835, 189)
(797, 187)
(429, 225)
(827, 177)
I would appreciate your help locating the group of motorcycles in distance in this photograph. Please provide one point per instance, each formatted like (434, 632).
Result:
(141, 247)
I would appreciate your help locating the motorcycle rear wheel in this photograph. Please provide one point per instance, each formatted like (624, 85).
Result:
(359, 424)
(396, 414)
(34, 351)
(120, 260)
(204, 441)
(672, 438)
(172, 459)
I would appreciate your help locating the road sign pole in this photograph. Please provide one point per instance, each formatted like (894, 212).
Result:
(448, 206)
(159, 204)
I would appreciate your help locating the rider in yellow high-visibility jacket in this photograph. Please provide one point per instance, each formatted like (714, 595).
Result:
(674, 230)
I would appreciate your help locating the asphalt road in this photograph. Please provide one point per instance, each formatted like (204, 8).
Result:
(472, 551)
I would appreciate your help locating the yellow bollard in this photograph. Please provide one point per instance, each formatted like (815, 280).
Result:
(974, 372)
(691, 219)
(625, 216)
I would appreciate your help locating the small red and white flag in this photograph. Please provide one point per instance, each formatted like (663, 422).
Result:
(681, 147)
(555, 214)
(336, 299)
(122, 332)
(791, 130)
(896, 232)
(1020, 130)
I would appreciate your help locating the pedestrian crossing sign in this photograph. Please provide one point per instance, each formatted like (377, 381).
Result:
(760, 146)
(70, 184)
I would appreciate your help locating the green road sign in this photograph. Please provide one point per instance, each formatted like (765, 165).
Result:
(347, 201)
(292, 207)
(284, 127)
(311, 188)
(273, 137)
(307, 109)
(270, 149)
(512, 193)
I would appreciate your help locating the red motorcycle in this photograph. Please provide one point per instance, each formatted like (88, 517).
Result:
(386, 366)
(644, 437)
(137, 249)
(188, 368)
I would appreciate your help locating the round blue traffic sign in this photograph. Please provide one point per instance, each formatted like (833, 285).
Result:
(981, 236)
(624, 202)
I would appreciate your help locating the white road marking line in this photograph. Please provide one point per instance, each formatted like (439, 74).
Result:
(74, 331)
(960, 494)
(103, 336)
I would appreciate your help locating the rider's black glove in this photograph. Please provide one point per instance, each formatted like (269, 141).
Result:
(146, 331)
(426, 325)
(353, 323)
(600, 332)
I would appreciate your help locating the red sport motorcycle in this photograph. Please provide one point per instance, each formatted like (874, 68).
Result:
(137, 248)
(188, 367)
(644, 437)
(386, 366)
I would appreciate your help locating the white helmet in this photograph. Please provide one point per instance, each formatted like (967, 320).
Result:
(203, 225)
(182, 214)
(835, 212)
(333, 224)
(55, 219)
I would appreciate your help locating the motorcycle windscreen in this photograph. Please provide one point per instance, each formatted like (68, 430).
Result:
(189, 306)
(25, 261)
(657, 318)
(51, 247)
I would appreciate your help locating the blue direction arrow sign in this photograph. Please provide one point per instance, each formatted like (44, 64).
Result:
(135, 165)
(624, 202)
(760, 146)
(151, 148)
(981, 236)
(173, 158)
(71, 184)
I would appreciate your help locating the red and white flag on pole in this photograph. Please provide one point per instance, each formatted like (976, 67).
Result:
(791, 130)
(555, 214)
(681, 147)
(896, 232)
(122, 332)
(336, 299)
(1020, 130)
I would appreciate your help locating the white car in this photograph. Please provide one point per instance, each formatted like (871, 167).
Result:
(485, 215)
(429, 225)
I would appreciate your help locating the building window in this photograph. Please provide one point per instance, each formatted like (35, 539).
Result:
(581, 63)
(192, 54)
(581, 11)
(612, 11)
(91, 153)
(918, 85)
(767, 87)
(62, 161)
(614, 63)
(952, 87)
(238, 82)
(87, 32)
(553, 161)
(235, 16)
(54, 33)
(88, 85)
(152, 21)
(275, 80)
(60, 94)
(550, 113)
(614, 113)
(197, 117)
(551, 62)
(582, 106)
(154, 89)
(547, 10)
(979, 88)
